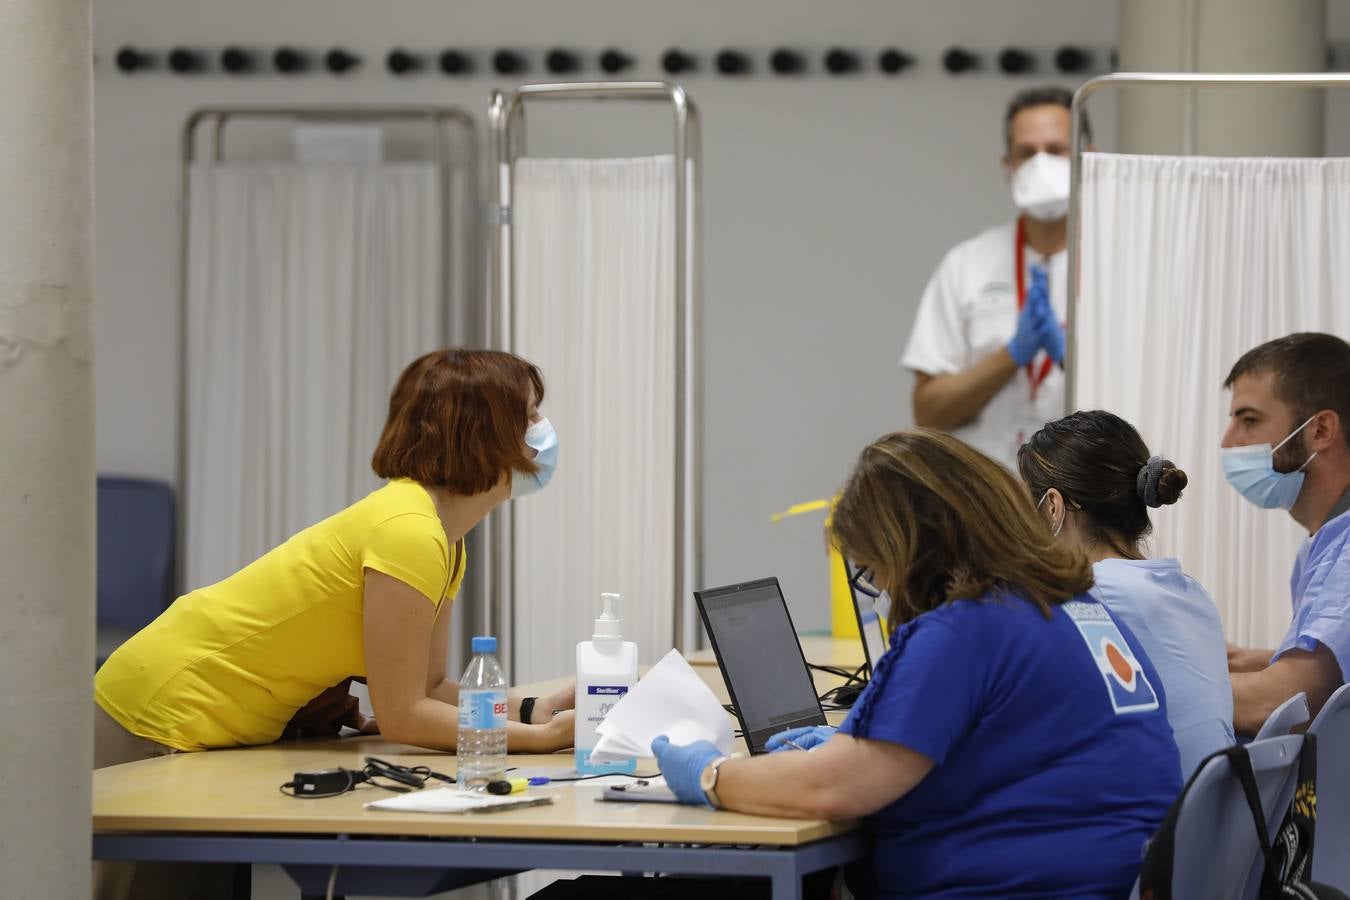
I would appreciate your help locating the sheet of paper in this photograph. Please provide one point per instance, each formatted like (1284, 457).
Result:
(671, 700)
(453, 800)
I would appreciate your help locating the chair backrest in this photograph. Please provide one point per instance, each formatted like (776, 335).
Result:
(1217, 849)
(1331, 862)
(136, 532)
(1286, 717)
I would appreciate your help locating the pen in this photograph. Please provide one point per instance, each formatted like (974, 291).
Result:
(792, 743)
(508, 786)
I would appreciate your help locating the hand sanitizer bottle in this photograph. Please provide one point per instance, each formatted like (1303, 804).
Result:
(606, 668)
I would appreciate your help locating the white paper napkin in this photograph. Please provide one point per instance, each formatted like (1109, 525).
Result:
(671, 700)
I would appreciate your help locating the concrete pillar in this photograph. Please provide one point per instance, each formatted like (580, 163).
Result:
(1222, 36)
(46, 449)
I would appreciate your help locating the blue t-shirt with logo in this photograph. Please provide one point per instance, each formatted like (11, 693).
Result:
(1054, 760)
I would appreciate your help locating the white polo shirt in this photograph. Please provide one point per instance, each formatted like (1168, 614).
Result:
(968, 311)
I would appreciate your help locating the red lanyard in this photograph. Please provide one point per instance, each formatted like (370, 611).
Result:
(1034, 378)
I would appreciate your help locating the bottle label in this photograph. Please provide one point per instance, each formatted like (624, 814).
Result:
(600, 699)
(482, 709)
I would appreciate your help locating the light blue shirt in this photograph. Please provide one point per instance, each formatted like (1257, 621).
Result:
(1179, 629)
(1320, 587)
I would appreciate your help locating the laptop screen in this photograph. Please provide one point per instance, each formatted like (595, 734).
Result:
(761, 659)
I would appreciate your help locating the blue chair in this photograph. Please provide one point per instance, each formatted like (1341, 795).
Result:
(1286, 717)
(1217, 852)
(136, 543)
(1331, 863)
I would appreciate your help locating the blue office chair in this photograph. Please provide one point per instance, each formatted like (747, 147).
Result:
(136, 541)
(1331, 863)
(1217, 852)
(1286, 717)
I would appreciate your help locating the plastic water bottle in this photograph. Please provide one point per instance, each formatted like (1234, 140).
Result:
(481, 749)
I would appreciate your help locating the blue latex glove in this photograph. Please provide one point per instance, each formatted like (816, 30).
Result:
(1026, 341)
(807, 737)
(1051, 337)
(683, 767)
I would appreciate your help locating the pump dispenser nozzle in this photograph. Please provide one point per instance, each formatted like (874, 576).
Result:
(608, 625)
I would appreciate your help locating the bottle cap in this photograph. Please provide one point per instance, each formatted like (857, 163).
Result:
(608, 625)
(482, 644)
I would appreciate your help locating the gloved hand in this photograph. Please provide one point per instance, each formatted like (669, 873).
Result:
(1026, 341)
(1051, 337)
(683, 767)
(807, 737)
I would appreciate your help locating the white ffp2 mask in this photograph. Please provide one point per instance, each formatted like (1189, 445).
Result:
(1040, 187)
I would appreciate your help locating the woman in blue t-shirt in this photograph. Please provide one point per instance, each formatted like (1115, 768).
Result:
(1013, 741)
(1094, 480)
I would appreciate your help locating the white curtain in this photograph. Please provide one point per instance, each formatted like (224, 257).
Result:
(1188, 262)
(309, 289)
(595, 309)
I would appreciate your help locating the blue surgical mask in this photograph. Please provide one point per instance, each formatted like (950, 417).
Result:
(1251, 472)
(541, 438)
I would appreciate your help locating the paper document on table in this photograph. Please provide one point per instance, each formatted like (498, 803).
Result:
(670, 699)
(453, 800)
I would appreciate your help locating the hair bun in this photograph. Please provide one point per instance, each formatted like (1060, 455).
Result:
(1159, 482)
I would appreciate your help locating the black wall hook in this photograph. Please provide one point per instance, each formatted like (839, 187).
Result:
(1014, 61)
(455, 62)
(786, 61)
(185, 61)
(614, 61)
(1072, 59)
(676, 61)
(339, 61)
(733, 62)
(957, 60)
(130, 60)
(839, 61)
(560, 61)
(892, 61)
(237, 60)
(290, 61)
(508, 62)
(401, 62)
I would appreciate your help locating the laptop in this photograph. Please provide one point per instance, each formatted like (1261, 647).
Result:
(760, 658)
(870, 607)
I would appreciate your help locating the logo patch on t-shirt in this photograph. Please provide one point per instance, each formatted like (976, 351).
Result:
(1126, 683)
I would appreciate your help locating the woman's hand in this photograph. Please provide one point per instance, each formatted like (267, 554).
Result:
(563, 698)
(326, 714)
(559, 731)
(683, 767)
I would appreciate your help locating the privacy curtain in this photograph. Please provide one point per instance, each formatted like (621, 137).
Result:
(595, 309)
(309, 289)
(1187, 262)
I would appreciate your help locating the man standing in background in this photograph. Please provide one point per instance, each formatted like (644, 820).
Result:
(987, 347)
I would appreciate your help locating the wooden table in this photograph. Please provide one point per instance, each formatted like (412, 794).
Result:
(225, 806)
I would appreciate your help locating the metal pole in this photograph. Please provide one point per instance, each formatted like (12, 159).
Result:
(1135, 79)
(503, 112)
(219, 117)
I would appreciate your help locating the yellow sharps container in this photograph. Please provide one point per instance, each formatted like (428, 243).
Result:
(843, 621)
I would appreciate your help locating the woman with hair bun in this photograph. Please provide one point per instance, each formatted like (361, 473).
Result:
(1093, 478)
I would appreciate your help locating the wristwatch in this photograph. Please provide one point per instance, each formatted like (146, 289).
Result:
(708, 781)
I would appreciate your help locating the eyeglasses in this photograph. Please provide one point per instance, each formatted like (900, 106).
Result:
(861, 580)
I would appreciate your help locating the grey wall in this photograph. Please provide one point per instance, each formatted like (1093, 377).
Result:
(827, 204)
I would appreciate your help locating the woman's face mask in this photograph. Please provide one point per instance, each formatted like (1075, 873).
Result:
(543, 440)
(1251, 472)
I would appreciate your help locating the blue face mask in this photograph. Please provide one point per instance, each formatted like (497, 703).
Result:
(1251, 472)
(541, 438)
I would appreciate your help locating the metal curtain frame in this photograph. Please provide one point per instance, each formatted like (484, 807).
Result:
(438, 118)
(1157, 79)
(505, 118)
